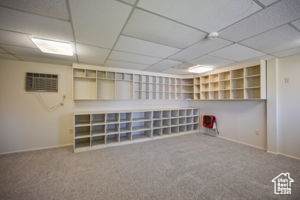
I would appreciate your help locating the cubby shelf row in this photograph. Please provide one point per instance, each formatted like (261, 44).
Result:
(103, 85)
(92, 130)
(243, 83)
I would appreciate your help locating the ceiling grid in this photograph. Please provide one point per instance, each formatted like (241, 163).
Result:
(161, 50)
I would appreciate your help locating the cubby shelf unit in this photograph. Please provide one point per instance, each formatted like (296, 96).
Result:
(94, 130)
(247, 83)
(91, 84)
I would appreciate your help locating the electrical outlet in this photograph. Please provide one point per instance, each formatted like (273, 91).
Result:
(257, 132)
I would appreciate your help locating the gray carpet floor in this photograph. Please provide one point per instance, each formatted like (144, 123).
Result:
(192, 166)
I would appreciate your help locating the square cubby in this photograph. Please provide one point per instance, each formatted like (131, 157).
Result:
(166, 131)
(82, 119)
(112, 117)
(125, 127)
(125, 136)
(82, 131)
(174, 113)
(166, 122)
(124, 117)
(174, 121)
(166, 114)
(189, 120)
(189, 112)
(175, 129)
(156, 114)
(112, 128)
(181, 113)
(98, 140)
(182, 128)
(98, 129)
(196, 119)
(98, 118)
(157, 132)
(156, 123)
(112, 138)
(182, 120)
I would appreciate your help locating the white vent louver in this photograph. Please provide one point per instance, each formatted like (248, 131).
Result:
(41, 82)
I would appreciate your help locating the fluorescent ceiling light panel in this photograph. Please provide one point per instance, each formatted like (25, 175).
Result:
(54, 47)
(200, 69)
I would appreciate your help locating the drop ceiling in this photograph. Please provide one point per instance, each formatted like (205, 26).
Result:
(152, 35)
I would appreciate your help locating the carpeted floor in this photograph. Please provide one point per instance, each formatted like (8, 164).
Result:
(186, 167)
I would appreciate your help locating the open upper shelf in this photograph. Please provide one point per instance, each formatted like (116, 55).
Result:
(226, 85)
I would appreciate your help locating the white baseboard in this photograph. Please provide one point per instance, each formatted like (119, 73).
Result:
(257, 147)
(294, 157)
(36, 149)
(244, 143)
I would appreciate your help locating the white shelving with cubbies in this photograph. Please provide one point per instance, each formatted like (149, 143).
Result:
(94, 130)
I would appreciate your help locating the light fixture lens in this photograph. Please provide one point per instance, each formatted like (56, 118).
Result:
(54, 47)
(200, 69)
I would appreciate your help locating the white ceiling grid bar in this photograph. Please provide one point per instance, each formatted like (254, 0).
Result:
(160, 32)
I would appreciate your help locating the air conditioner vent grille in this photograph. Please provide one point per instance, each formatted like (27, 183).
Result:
(41, 82)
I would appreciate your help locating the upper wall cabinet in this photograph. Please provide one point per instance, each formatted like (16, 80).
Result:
(247, 83)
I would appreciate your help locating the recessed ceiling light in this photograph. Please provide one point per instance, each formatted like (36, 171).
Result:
(53, 47)
(200, 69)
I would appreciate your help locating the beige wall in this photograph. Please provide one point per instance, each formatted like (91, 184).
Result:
(289, 105)
(241, 121)
(25, 123)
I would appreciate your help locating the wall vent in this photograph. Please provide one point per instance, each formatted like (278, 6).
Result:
(37, 82)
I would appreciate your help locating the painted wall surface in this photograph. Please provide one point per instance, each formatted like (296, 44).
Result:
(25, 121)
(289, 105)
(242, 121)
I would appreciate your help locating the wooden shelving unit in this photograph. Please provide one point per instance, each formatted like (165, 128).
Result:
(248, 83)
(106, 85)
(98, 130)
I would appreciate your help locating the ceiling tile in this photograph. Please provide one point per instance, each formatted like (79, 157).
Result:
(271, 17)
(284, 37)
(34, 52)
(128, 65)
(144, 47)
(98, 22)
(17, 39)
(7, 56)
(211, 61)
(47, 60)
(36, 25)
(267, 2)
(129, 57)
(288, 52)
(203, 47)
(177, 71)
(22, 51)
(206, 15)
(237, 52)
(91, 55)
(56, 9)
(163, 65)
(158, 29)
(129, 1)
(297, 24)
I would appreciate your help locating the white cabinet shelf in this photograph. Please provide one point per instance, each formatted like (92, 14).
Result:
(248, 83)
(106, 85)
(98, 130)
